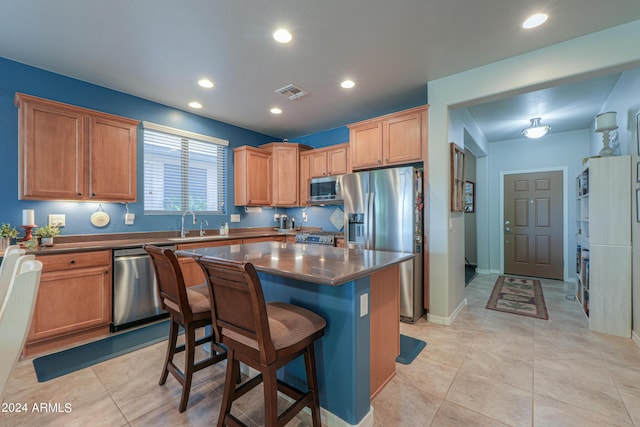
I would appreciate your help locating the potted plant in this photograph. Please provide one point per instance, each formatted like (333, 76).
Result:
(47, 233)
(7, 233)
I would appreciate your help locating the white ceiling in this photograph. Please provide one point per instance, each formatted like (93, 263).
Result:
(158, 49)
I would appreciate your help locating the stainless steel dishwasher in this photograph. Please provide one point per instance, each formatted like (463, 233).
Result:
(136, 299)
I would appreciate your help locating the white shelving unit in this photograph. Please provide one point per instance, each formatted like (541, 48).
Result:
(603, 244)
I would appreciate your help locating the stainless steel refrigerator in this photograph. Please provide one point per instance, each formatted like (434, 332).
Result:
(383, 212)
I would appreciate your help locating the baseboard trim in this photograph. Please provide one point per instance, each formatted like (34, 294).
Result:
(447, 321)
(635, 338)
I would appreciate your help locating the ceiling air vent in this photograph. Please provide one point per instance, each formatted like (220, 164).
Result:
(292, 92)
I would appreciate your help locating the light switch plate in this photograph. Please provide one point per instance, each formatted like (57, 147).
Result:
(129, 218)
(235, 217)
(57, 220)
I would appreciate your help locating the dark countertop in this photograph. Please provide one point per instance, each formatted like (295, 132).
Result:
(84, 243)
(320, 264)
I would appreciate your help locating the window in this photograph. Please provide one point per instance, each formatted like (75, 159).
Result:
(183, 171)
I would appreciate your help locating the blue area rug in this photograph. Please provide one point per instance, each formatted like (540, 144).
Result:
(67, 361)
(409, 349)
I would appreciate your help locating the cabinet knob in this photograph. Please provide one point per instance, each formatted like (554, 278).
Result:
(386, 160)
(379, 161)
(73, 261)
(79, 194)
(93, 194)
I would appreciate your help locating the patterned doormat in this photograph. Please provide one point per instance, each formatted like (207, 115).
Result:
(518, 295)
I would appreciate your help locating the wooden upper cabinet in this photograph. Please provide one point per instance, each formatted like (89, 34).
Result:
(71, 153)
(252, 176)
(366, 145)
(112, 159)
(388, 140)
(305, 175)
(329, 161)
(285, 172)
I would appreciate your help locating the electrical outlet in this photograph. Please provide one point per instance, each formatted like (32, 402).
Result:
(276, 217)
(57, 220)
(364, 304)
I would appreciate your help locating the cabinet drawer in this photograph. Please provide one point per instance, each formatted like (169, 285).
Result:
(74, 260)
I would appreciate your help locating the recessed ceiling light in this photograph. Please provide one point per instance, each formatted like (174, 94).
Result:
(282, 36)
(205, 83)
(276, 110)
(347, 84)
(535, 20)
(194, 104)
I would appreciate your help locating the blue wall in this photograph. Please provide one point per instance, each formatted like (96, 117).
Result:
(18, 77)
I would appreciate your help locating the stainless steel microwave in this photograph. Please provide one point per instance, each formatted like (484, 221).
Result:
(326, 190)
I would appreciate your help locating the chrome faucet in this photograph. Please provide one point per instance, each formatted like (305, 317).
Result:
(184, 232)
(202, 232)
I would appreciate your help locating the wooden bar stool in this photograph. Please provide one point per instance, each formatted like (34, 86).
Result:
(189, 308)
(265, 336)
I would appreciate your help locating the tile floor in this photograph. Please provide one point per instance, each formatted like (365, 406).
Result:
(487, 369)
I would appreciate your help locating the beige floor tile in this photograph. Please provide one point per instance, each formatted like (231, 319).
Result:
(452, 415)
(402, 404)
(505, 403)
(550, 412)
(582, 391)
(435, 378)
(499, 366)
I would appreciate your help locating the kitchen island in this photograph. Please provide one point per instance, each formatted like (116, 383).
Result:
(357, 292)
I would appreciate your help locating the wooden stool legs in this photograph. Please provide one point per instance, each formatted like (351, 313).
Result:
(271, 385)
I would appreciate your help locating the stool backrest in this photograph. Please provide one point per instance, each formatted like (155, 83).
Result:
(238, 309)
(169, 280)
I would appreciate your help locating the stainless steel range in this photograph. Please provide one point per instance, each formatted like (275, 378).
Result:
(317, 237)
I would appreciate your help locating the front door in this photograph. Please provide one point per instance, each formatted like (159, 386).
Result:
(533, 230)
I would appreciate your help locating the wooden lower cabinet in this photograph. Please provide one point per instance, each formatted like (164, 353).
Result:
(74, 300)
(384, 308)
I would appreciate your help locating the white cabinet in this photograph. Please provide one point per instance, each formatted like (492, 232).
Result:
(603, 244)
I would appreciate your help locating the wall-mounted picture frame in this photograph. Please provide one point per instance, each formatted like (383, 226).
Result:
(457, 178)
(638, 204)
(469, 196)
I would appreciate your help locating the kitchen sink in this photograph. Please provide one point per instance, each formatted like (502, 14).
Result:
(195, 238)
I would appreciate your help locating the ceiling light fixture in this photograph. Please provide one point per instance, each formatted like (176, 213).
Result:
(276, 110)
(282, 36)
(347, 84)
(194, 104)
(535, 20)
(536, 130)
(205, 83)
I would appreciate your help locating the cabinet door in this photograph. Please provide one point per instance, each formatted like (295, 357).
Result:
(51, 159)
(402, 136)
(318, 164)
(285, 175)
(366, 145)
(71, 300)
(112, 159)
(252, 176)
(305, 175)
(338, 160)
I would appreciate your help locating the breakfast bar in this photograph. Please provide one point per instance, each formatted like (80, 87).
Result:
(356, 291)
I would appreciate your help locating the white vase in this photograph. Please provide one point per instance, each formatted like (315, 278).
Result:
(5, 242)
(46, 241)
